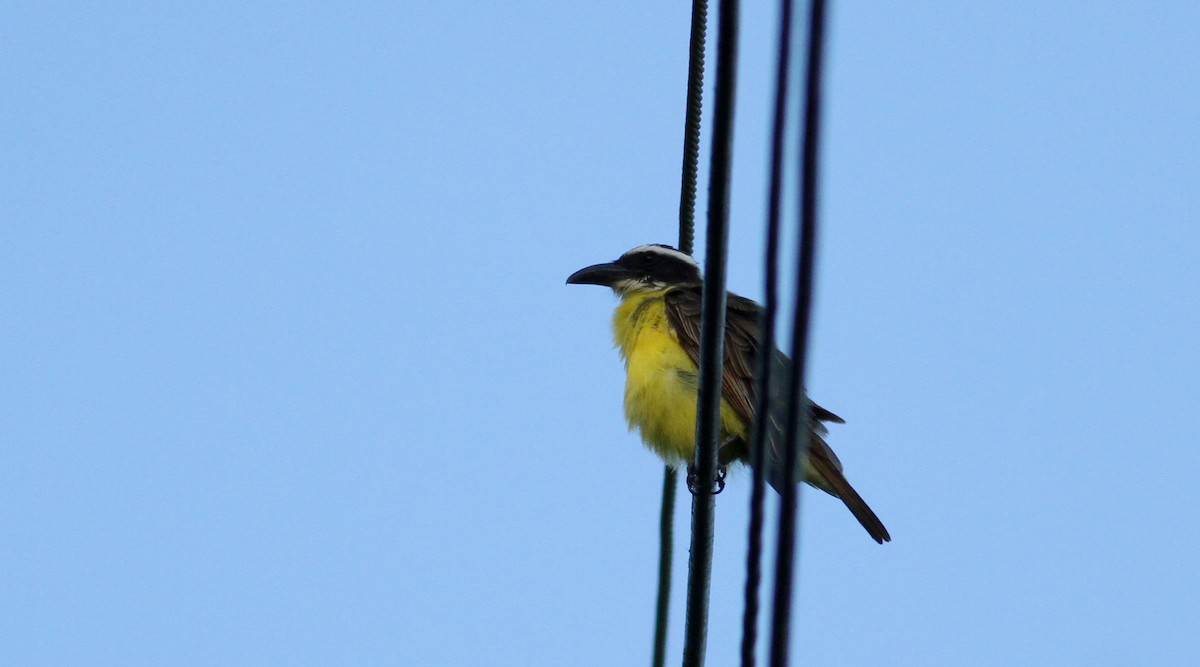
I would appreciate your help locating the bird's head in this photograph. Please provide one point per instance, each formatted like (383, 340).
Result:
(645, 268)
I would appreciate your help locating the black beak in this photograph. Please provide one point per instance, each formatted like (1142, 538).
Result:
(598, 274)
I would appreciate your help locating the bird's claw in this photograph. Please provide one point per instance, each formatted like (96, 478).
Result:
(719, 481)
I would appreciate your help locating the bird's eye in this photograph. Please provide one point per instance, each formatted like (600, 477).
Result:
(649, 259)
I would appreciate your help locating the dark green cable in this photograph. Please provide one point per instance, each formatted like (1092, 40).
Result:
(691, 126)
(712, 339)
(666, 546)
(687, 226)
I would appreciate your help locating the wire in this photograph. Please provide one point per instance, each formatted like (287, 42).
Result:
(797, 399)
(712, 339)
(766, 339)
(691, 126)
(687, 226)
(666, 546)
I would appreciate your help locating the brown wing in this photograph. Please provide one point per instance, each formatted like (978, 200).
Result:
(741, 348)
(683, 306)
(741, 343)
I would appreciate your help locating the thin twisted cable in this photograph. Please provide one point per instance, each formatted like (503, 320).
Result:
(687, 226)
(712, 338)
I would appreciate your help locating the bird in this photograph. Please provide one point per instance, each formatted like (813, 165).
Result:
(656, 329)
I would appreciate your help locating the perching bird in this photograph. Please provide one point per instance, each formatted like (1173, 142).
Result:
(657, 330)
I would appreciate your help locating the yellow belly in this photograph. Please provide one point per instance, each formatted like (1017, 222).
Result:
(660, 384)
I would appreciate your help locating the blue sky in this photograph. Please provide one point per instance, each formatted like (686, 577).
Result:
(291, 375)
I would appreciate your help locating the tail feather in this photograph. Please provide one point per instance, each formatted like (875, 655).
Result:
(839, 486)
(824, 471)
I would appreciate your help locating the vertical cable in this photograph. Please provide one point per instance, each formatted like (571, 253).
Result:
(687, 226)
(712, 339)
(799, 415)
(766, 345)
(665, 548)
(691, 126)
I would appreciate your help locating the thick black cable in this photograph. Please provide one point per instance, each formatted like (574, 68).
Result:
(799, 414)
(766, 346)
(712, 339)
(687, 226)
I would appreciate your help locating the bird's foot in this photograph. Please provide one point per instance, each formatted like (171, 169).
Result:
(718, 482)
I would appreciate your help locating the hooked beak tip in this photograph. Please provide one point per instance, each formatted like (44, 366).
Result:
(597, 274)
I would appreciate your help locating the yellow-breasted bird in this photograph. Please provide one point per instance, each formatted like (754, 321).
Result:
(657, 330)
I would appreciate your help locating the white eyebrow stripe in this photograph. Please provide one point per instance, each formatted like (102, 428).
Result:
(666, 252)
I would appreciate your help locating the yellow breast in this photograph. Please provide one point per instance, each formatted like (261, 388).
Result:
(661, 379)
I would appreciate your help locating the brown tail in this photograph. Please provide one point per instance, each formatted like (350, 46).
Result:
(840, 487)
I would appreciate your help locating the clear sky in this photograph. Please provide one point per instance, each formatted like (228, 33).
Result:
(290, 375)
